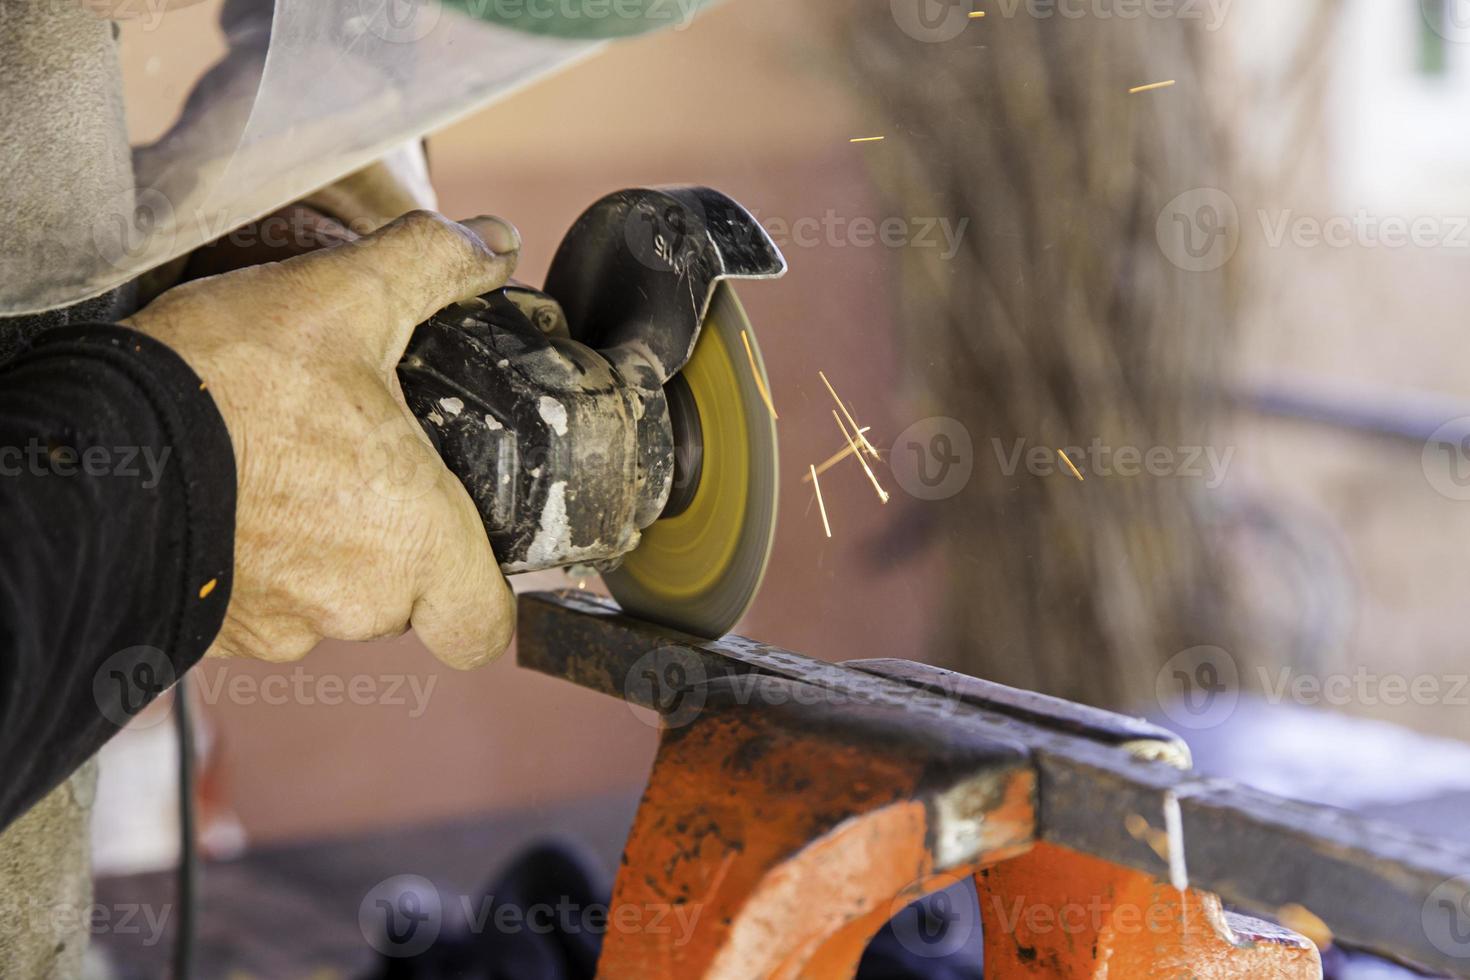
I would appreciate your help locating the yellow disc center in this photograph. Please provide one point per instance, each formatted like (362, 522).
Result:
(687, 555)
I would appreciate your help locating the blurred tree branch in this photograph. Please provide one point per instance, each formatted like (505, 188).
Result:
(1062, 321)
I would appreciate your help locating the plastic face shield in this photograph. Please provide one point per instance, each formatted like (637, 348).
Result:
(308, 91)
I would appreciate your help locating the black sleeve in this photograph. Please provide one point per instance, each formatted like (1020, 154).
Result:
(117, 525)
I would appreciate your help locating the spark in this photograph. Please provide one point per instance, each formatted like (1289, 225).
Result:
(822, 506)
(835, 458)
(1150, 87)
(867, 446)
(868, 139)
(1071, 466)
(759, 381)
(882, 494)
(977, 14)
(208, 588)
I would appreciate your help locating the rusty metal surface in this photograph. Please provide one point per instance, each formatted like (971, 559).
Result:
(792, 833)
(1376, 886)
(1058, 914)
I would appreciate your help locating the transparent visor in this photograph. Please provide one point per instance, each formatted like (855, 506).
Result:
(289, 100)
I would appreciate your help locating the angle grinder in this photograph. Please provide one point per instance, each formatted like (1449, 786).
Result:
(620, 418)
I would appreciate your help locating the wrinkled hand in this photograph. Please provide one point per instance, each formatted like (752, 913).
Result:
(348, 526)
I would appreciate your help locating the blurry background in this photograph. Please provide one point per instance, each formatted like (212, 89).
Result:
(1257, 273)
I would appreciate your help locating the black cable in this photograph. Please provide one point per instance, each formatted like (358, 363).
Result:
(188, 879)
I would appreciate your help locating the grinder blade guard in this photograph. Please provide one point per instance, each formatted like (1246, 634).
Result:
(565, 414)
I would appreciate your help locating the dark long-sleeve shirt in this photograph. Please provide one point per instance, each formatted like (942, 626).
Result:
(117, 520)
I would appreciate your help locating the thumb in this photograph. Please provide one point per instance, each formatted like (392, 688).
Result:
(409, 270)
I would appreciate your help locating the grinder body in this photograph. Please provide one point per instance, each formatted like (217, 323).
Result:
(565, 457)
(562, 411)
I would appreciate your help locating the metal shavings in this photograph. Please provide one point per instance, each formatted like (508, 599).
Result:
(882, 494)
(835, 458)
(867, 446)
(1174, 826)
(759, 381)
(820, 505)
(1071, 466)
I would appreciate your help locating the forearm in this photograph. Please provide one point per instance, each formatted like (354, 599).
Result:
(117, 486)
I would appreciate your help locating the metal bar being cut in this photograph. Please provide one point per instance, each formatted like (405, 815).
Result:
(1108, 786)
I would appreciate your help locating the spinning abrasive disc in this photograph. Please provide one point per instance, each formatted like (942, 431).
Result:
(698, 568)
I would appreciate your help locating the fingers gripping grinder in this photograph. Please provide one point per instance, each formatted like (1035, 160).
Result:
(619, 419)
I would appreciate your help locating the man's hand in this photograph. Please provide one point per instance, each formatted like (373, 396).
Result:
(348, 525)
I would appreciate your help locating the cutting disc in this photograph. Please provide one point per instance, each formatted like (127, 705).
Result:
(699, 571)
